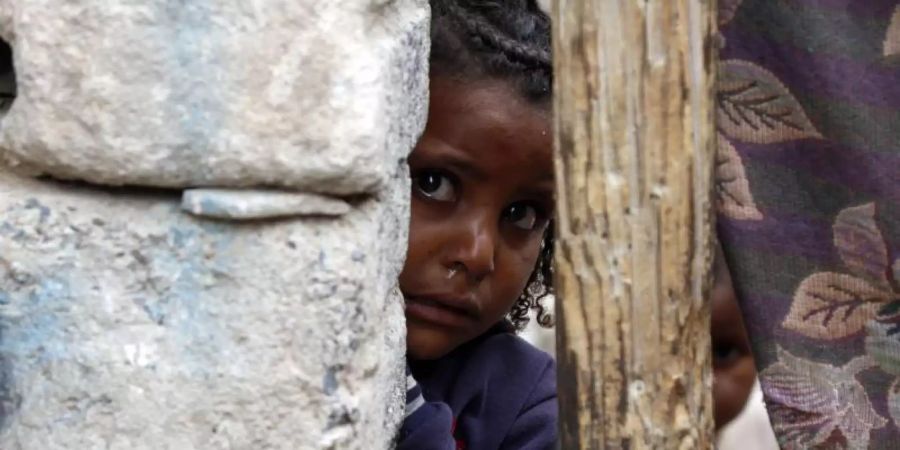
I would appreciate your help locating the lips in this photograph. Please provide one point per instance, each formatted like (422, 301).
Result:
(447, 311)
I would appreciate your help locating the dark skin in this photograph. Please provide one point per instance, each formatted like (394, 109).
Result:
(733, 369)
(482, 196)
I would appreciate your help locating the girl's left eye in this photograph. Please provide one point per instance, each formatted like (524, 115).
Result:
(522, 215)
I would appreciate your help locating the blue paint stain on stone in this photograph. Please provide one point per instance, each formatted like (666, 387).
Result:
(190, 256)
(179, 237)
(33, 203)
(329, 381)
(154, 312)
(9, 401)
(195, 42)
(39, 331)
(185, 256)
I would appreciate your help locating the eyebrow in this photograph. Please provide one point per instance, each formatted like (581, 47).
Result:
(458, 161)
(461, 162)
(543, 189)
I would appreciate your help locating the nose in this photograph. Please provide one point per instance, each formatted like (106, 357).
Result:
(473, 249)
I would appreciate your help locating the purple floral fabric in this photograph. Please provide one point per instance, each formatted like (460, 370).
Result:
(808, 195)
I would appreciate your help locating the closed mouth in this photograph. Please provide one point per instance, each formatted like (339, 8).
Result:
(453, 313)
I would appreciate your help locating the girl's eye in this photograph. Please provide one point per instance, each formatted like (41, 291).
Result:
(435, 186)
(725, 355)
(523, 216)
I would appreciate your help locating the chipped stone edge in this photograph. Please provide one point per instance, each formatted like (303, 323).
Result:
(256, 204)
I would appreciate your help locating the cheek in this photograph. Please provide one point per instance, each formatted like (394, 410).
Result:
(517, 266)
(418, 248)
(425, 222)
(731, 388)
(427, 232)
(415, 225)
(528, 256)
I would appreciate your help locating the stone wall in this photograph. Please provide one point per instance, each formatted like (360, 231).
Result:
(203, 211)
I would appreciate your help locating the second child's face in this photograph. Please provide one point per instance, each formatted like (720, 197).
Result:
(733, 371)
(482, 195)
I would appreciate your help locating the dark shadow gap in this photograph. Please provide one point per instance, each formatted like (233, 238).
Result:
(7, 76)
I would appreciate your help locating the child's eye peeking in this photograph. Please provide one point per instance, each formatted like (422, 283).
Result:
(522, 215)
(435, 186)
(725, 355)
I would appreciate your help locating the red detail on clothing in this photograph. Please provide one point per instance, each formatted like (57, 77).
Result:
(460, 445)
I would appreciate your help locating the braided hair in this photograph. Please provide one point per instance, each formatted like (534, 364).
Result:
(505, 40)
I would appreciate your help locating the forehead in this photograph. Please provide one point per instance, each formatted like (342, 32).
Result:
(494, 99)
(491, 122)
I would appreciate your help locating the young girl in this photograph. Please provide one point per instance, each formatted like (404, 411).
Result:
(479, 251)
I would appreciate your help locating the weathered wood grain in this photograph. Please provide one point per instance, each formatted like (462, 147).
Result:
(635, 143)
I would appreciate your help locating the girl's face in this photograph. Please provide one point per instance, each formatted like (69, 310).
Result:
(482, 194)
(733, 371)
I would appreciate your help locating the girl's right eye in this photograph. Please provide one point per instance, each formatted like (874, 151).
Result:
(435, 186)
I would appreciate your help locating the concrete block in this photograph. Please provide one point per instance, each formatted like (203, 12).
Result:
(314, 95)
(126, 323)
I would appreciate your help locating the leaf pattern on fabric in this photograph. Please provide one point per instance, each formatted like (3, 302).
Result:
(727, 10)
(892, 39)
(830, 305)
(733, 196)
(754, 106)
(860, 244)
(894, 402)
(817, 404)
(809, 401)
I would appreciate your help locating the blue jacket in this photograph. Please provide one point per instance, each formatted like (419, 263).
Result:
(496, 392)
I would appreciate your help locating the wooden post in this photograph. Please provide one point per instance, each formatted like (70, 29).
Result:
(635, 145)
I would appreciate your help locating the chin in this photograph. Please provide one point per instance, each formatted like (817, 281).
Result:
(426, 343)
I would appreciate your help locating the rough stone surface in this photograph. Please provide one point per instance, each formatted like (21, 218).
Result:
(129, 324)
(303, 94)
